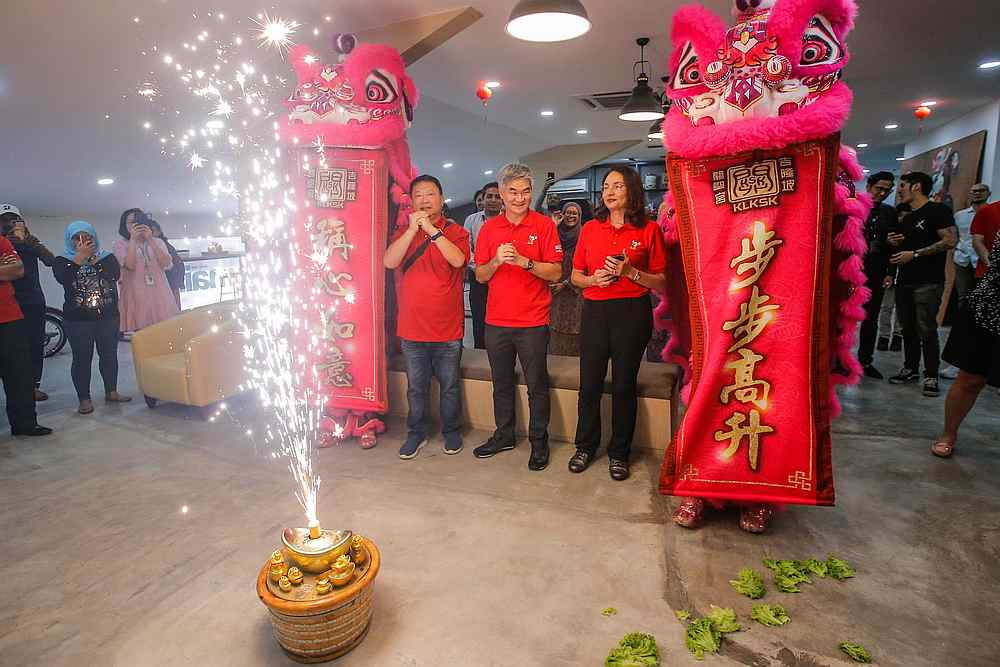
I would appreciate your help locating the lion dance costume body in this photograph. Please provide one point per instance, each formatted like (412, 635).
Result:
(349, 163)
(767, 225)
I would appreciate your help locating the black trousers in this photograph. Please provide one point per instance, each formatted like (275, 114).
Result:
(869, 328)
(18, 384)
(504, 345)
(478, 292)
(84, 336)
(619, 330)
(34, 327)
(917, 309)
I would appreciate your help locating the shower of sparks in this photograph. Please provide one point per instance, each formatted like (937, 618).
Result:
(217, 101)
(276, 33)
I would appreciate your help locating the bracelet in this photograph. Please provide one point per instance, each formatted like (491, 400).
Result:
(436, 236)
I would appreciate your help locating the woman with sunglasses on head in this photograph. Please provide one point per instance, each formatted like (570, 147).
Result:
(90, 313)
(619, 258)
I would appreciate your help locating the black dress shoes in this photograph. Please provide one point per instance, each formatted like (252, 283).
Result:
(618, 470)
(539, 458)
(31, 430)
(580, 461)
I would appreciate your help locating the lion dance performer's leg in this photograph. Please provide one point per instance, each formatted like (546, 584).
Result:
(767, 287)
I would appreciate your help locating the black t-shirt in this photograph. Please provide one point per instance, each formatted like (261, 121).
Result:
(921, 230)
(91, 291)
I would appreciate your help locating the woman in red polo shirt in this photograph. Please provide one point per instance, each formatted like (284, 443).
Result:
(619, 258)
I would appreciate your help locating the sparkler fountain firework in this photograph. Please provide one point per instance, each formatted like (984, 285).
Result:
(314, 219)
(232, 132)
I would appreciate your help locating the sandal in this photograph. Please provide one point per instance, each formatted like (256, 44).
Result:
(690, 513)
(86, 407)
(115, 397)
(943, 449)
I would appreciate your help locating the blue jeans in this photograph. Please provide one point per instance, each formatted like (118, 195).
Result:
(443, 361)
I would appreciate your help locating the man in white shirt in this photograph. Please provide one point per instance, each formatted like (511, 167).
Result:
(965, 255)
(478, 292)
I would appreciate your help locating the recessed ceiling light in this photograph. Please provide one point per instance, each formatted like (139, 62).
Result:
(862, 145)
(892, 126)
(900, 159)
(147, 125)
(105, 181)
(448, 200)
(928, 103)
(492, 84)
(866, 171)
(488, 172)
(547, 112)
(582, 131)
(989, 64)
(448, 165)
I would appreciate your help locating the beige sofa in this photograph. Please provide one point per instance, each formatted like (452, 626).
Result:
(194, 358)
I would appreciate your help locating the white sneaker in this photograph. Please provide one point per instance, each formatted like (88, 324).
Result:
(948, 372)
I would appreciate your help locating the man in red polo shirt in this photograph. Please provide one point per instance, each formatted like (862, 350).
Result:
(430, 256)
(518, 254)
(15, 357)
(985, 227)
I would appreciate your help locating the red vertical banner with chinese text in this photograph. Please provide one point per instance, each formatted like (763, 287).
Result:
(341, 225)
(756, 233)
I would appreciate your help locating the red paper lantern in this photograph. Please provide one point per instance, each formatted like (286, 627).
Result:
(484, 93)
(922, 112)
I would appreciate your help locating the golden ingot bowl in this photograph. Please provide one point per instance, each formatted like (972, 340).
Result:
(314, 556)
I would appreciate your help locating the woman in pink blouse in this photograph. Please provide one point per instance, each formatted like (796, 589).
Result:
(144, 294)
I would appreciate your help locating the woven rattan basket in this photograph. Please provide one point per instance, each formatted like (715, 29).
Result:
(324, 628)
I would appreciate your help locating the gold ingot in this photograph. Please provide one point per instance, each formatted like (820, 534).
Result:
(343, 572)
(277, 558)
(276, 573)
(284, 584)
(323, 586)
(295, 576)
(358, 552)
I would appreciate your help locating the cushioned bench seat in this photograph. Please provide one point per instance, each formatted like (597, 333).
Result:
(657, 391)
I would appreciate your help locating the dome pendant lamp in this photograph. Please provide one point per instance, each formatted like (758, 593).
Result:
(548, 20)
(643, 105)
(656, 130)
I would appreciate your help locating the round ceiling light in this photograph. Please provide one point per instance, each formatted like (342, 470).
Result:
(548, 20)
(105, 181)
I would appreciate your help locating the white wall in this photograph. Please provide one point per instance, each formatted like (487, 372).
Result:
(49, 231)
(984, 118)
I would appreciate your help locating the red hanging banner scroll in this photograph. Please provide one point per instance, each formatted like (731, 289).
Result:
(342, 216)
(756, 236)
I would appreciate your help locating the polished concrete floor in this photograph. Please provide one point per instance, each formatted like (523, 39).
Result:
(134, 536)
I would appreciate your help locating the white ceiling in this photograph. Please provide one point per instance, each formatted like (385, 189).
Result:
(64, 65)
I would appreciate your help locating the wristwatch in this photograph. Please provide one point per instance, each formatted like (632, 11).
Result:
(916, 253)
(530, 265)
(436, 236)
(635, 276)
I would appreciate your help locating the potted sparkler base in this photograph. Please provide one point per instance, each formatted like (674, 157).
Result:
(325, 614)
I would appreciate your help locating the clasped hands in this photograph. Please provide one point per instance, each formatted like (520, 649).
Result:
(420, 220)
(613, 269)
(508, 254)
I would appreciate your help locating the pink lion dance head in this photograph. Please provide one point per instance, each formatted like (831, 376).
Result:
(770, 80)
(365, 100)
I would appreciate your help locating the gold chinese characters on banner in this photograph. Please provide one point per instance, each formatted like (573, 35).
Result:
(756, 313)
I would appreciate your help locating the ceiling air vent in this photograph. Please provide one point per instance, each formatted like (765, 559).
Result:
(605, 101)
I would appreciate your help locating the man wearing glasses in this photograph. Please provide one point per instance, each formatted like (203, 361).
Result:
(518, 254)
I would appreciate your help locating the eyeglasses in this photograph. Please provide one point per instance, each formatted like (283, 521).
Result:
(617, 187)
